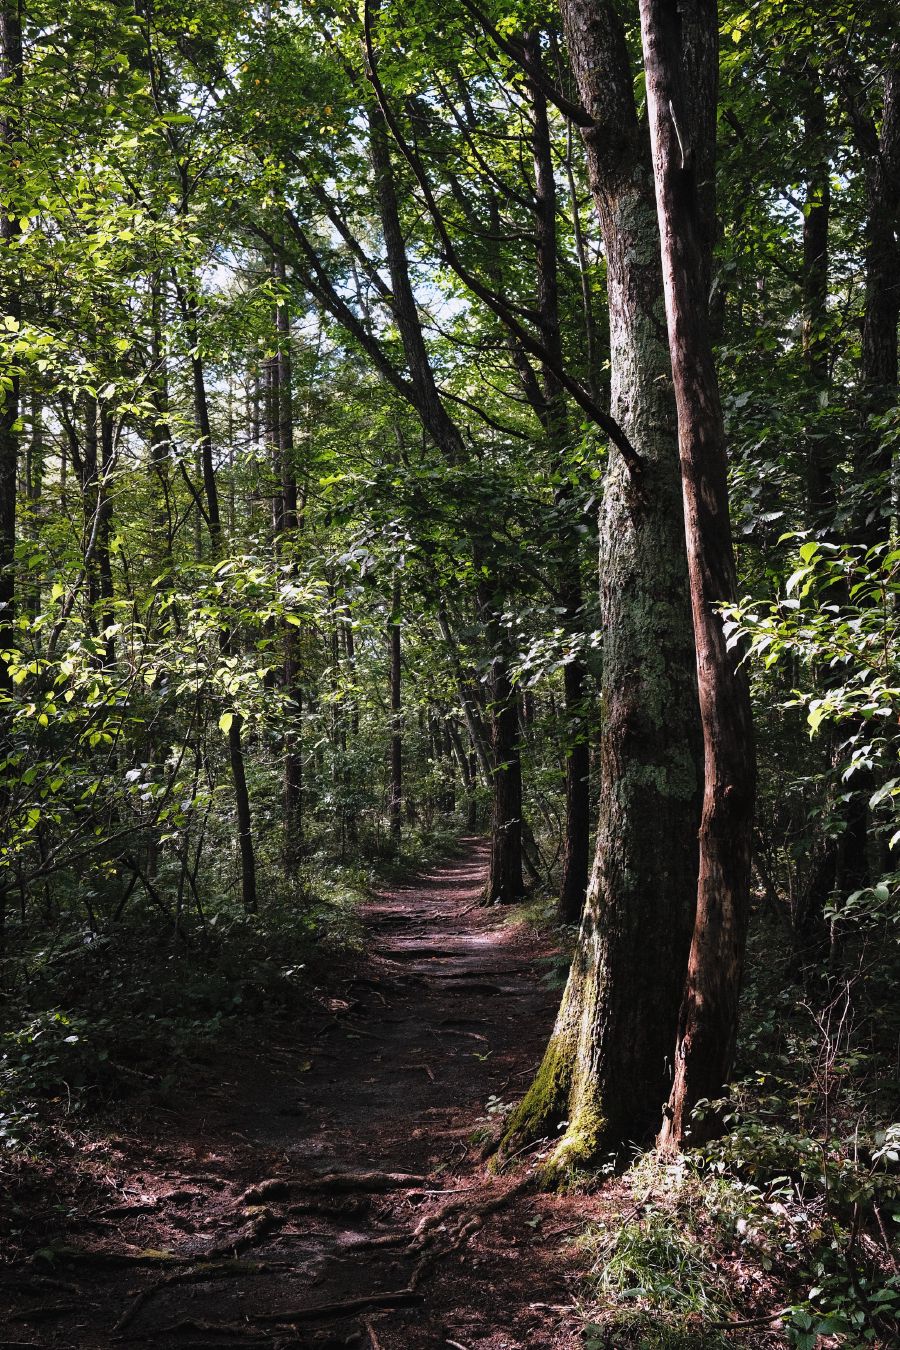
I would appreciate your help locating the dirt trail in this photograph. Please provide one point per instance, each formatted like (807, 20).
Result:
(323, 1188)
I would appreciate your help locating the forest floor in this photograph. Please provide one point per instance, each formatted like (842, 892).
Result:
(321, 1182)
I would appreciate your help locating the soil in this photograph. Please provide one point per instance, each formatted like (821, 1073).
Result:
(324, 1184)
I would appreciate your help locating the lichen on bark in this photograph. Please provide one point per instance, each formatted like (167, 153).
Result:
(607, 1068)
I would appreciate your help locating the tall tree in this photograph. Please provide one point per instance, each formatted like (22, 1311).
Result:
(680, 43)
(605, 1072)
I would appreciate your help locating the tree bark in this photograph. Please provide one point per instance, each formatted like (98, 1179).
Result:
(553, 415)
(606, 1068)
(207, 466)
(395, 789)
(235, 744)
(882, 304)
(34, 489)
(819, 487)
(468, 701)
(680, 43)
(505, 884)
(244, 816)
(104, 532)
(288, 525)
(160, 430)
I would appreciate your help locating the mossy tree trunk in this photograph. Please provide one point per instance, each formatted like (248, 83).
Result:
(608, 1067)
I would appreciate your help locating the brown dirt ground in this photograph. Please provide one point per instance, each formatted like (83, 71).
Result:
(156, 1237)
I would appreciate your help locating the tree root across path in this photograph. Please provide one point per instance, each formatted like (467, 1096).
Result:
(398, 1298)
(432, 1239)
(218, 1270)
(361, 1209)
(278, 1188)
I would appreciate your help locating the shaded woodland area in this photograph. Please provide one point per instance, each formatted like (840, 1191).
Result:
(449, 679)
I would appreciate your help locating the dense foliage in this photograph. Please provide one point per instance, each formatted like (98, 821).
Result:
(300, 467)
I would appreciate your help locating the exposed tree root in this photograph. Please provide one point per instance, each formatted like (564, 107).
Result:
(248, 1335)
(218, 1270)
(29, 1284)
(47, 1312)
(397, 1298)
(457, 1031)
(148, 1257)
(374, 1342)
(277, 1188)
(473, 1215)
(259, 1225)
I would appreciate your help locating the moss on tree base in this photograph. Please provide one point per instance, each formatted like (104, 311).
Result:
(544, 1105)
(583, 1142)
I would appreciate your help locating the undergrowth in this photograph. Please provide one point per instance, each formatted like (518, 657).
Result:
(93, 1012)
(785, 1230)
(96, 1006)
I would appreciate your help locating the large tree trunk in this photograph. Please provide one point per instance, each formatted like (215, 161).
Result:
(606, 1070)
(680, 44)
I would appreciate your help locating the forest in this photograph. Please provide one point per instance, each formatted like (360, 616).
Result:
(449, 677)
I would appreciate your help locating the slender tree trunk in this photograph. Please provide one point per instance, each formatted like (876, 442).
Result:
(606, 1070)
(11, 77)
(587, 303)
(680, 45)
(395, 789)
(290, 524)
(91, 503)
(882, 304)
(553, 414)
(104, 533)
(34, 487)
(244, 817)
(274, 407)
(469, 777)
(504, 884)
(879, 148)
(819, 487)
(468, 701)
(235, 743)
(160, 430)
(207, 466)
